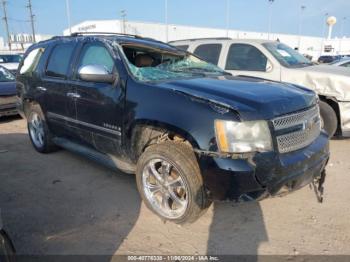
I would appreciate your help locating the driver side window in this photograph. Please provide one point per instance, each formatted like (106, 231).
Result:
(96, 54)
(245, 57)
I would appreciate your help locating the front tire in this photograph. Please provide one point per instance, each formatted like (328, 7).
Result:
(38, 131)
(170, 182)
(329, 118)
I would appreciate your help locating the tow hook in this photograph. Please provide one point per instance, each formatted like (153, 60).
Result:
(317, 184)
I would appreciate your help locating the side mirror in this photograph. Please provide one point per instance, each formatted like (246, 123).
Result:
(269, 66)
(96, 73)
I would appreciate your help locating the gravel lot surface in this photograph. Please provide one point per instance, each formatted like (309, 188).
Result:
(64, 204)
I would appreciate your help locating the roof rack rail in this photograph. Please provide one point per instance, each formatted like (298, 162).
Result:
(205, 38)
(103, 33)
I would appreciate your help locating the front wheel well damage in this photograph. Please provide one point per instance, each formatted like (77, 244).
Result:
(144, 135)
(332, 102)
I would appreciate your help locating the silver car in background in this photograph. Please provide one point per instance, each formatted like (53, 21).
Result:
(276, 61)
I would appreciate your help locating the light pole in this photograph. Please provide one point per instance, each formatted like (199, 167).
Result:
(68, 16)
(166, 22)
(123, 15)
(270, 17)
(303, 7)
(341, 34)
(324, 33)
(227, 17)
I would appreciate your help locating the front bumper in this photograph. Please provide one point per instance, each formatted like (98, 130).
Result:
(8, 110)
(264, 174)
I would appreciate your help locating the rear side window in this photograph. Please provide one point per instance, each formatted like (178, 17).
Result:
(183, 47)
(31, 61)
(245, 57)
(96, 54)
(59, 60)
(209, 52)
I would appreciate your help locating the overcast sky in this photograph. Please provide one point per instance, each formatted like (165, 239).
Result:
(250, 15)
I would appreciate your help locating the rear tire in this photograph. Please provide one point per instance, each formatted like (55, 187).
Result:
(38, 131)
(179, 163)
(329, 118)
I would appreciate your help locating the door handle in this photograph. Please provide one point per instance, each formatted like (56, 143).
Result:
(73, 95)
(40, 88)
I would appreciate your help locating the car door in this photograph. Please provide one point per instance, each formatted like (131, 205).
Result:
(59, 105)
(248, 60)
(99, 106)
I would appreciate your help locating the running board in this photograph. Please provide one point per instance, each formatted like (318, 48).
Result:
(103, 159)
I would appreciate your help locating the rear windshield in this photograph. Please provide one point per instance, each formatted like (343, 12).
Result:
(152, 64)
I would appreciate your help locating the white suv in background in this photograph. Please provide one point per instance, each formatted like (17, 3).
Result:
(276, 61)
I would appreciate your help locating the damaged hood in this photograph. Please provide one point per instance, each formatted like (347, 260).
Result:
(251, 98)
(326, 80)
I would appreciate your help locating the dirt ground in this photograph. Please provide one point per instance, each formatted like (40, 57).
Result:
(64, 204)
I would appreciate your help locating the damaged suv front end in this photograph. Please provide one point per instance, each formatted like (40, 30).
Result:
(268, 158)
(253, 138)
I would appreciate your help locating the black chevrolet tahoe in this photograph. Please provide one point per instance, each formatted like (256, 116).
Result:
(190, 132)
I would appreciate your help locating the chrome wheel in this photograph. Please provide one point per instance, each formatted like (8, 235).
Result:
(165, 189)
(36, 130)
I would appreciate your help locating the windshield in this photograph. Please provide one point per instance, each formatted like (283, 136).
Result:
(148, 64)
(287, 56)
(6, 76)
(10, 58)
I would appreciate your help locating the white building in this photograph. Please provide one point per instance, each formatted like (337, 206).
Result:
(312, 46)
(20, 42)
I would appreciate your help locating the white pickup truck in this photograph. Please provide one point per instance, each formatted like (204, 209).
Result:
(276, 61)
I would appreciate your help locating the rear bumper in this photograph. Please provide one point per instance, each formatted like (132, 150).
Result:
(265, 174)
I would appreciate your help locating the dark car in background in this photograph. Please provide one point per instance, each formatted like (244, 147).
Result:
(8, 96)
(11, 61)
(185, 127)
(326, 59)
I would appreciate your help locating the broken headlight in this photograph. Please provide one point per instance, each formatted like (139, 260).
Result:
(243, 137)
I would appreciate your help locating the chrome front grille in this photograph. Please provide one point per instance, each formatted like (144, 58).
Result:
(301, 129)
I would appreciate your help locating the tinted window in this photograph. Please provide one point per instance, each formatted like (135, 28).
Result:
(96, 54)
(183, 47)
(59, 60)
(246, 58)
(209, 52)
(31, 61)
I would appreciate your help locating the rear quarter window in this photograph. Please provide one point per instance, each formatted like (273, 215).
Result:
(209, 52)
(59, 60)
